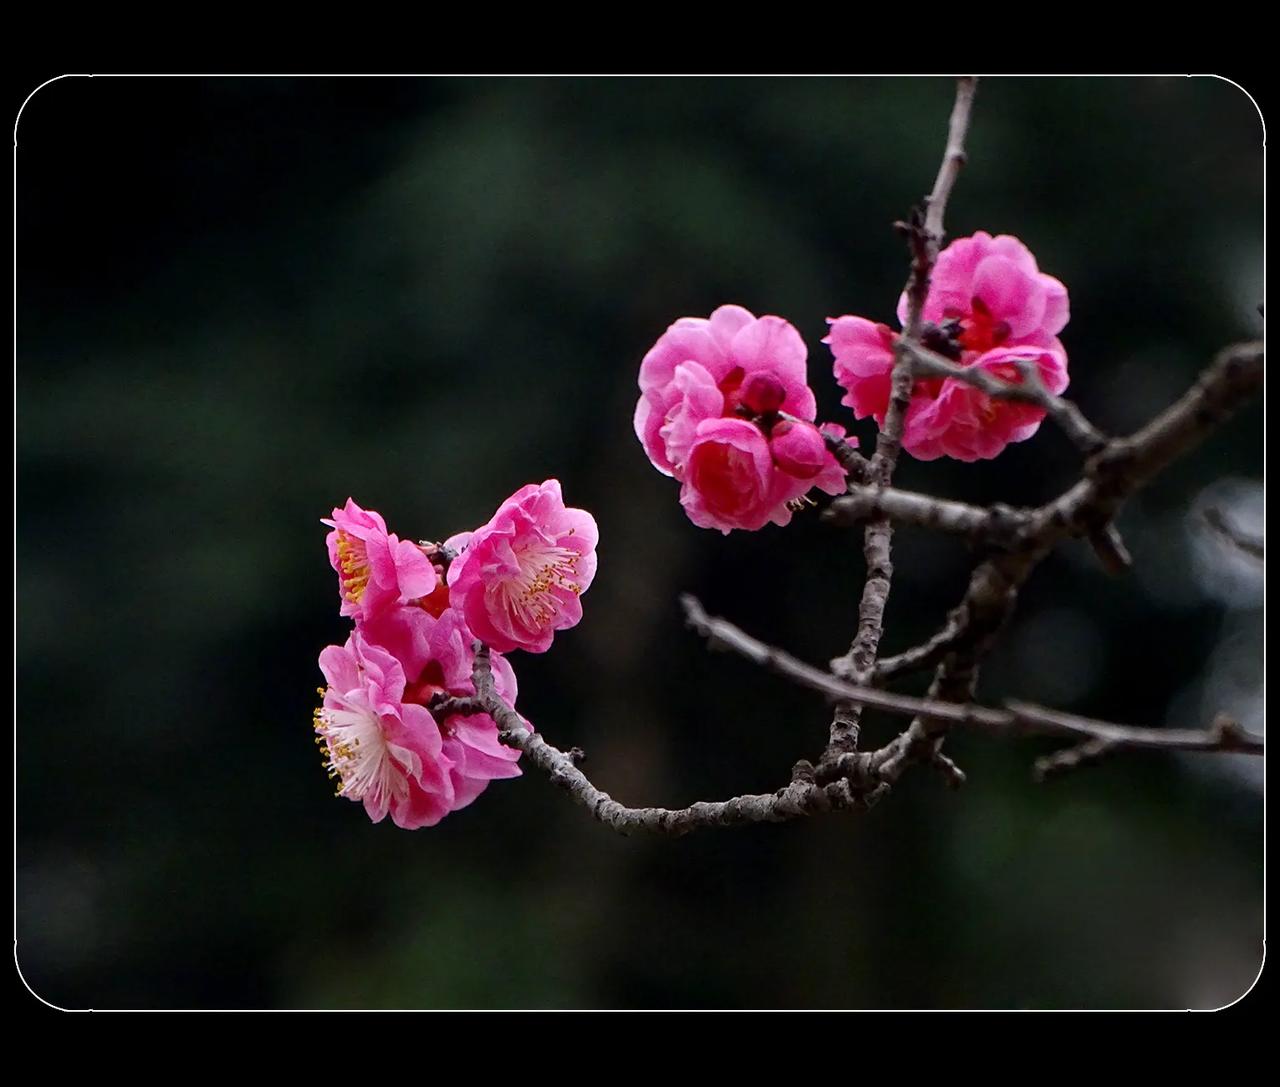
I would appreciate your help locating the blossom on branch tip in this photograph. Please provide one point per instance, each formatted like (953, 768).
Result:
(519, 578)
(988, 306)
(712, 395)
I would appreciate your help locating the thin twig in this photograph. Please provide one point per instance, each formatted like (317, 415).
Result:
(925, 234)
(854, 463)
(924, 655)
(953, 158)
(1070, 758)
(1020, 718)
(1087, 508)
(1109, 546)
(1125, 465)
(1031, 390)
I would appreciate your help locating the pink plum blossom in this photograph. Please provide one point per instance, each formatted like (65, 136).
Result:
(519, 577)
(384, 752)
(995, 290)
(863, 362)
(474, 753)
(404, 631)
(376, 569)
(712, 391)
(381, 739)
(988, 305)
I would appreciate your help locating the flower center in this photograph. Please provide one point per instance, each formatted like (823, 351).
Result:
(530, 594)
(356, 753)
(429, 684)
(437, 601)
(731, 389)
(353, 567)
(979, 330)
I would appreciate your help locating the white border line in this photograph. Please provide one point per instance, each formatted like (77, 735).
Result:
(608, 76)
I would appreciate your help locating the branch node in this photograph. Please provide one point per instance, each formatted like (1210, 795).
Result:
(1227, 732)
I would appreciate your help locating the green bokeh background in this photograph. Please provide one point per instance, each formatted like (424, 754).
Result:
(242, 300)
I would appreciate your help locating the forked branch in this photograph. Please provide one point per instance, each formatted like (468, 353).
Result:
(1013, 542)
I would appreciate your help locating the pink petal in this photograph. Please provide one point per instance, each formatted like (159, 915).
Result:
(677, 345)
(340, 668)
(1057, 310)
(1011, 295)
(770, 343)
(698, 399)
(726, 322)
(648, 427)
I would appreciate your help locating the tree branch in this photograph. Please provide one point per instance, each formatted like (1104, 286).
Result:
(1085, 509)
(1125, 465)
(992, 524)
(1018, 718)
(802, 797)
(1122, 467)
(853, 780)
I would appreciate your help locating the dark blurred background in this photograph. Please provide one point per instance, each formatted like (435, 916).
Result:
(242, 300)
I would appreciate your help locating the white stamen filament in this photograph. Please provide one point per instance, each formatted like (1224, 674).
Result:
(529, 595)
(357, 753)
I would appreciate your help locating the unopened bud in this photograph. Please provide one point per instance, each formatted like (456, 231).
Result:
(763, 393)
(798, 449)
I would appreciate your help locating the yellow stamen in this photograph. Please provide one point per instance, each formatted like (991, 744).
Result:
(353, 567)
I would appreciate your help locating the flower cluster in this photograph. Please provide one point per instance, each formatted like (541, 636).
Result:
(725, 406)
(989, 306)
(418, 609)
(726, 409)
